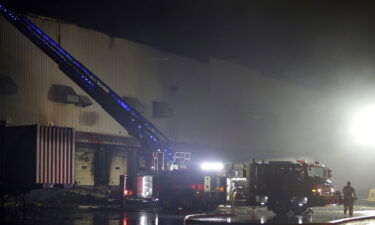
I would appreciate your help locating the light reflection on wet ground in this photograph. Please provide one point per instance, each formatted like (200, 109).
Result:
(118, 217)
(262, 216)
(92, 217)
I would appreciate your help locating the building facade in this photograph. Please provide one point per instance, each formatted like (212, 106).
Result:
(209, 106)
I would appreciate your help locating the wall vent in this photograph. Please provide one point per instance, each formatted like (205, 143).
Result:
(83, 101)
(63, 94)
(7, 86)
(67, 95)
(88, 118)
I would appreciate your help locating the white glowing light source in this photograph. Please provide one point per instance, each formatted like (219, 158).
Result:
(363, 128)
(212, 166)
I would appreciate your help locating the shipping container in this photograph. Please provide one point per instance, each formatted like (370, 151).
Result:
(35, 154)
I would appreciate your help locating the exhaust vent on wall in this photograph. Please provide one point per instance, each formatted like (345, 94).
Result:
(63, 94)
(88, 118)
(83, 101)
(67, 95)
(7, 86)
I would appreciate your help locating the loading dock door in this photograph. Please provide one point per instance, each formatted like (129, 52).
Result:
(118, 166)
(84, 168)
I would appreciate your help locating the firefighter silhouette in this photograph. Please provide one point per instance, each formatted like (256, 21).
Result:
(349, 197)
(142, 162)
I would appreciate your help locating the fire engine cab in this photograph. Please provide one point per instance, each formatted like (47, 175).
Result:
(284, 186)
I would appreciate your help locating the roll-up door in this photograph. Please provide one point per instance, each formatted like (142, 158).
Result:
(117, 166)
(84, 166)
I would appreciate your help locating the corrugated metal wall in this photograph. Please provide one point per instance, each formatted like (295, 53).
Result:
(250, 107)
(125, 66)
(55, 155)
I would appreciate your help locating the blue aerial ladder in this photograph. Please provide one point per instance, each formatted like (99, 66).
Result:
(151, 138)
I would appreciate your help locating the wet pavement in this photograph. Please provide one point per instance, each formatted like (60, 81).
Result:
(92, 217)
(246, 215)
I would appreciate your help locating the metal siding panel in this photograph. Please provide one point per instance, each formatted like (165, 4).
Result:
(121, 63)
(69, 161)
(55, 155)
(63, 168)
(44, 153)
(73, 153)
(45, 157)
(37, 154)
(60, 180)
(57, 171)
(64, 156)
(67, 149)
(41, 155)
(58, 164)
(49, 153)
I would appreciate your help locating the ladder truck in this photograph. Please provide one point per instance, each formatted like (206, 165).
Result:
(155, 144)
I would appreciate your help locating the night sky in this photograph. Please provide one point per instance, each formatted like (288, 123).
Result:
(326, 46)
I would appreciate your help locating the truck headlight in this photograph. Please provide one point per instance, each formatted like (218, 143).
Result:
(212, 166)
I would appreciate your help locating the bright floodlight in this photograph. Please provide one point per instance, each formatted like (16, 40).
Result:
(212, 166)
(363, 128)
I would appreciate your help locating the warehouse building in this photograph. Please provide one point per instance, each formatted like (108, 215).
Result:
(193, 102)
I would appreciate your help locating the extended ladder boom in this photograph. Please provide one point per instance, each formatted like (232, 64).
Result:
(112, 103)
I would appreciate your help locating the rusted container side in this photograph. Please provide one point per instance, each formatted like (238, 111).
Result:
(55, 155)
(36, 155)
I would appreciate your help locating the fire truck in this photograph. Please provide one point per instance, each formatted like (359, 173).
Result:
(182, 187)
(283, 186)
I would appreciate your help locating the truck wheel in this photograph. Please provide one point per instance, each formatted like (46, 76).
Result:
(280, 206)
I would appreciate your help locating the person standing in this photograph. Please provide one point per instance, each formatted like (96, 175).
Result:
(349, 197)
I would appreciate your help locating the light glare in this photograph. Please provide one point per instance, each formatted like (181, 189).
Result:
(363, 128)
(212, 166)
